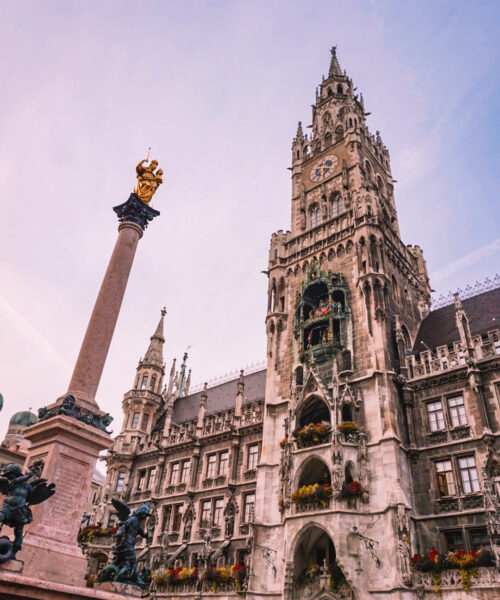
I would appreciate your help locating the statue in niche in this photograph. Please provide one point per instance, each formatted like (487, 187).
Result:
(124, 565)
(147, 180)
(21, 493)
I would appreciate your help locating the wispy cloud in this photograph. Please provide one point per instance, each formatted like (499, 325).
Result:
(466, 261)
(26, 329)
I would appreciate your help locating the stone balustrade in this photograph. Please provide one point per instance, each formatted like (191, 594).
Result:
(452, 579)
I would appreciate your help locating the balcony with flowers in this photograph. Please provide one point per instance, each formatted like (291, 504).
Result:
(314, 489)
(455, 570)
(186, 583)
(313, 424)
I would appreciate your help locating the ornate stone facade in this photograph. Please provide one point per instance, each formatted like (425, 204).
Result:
(326, 471)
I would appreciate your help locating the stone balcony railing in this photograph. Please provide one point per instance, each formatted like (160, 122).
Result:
(489, 577)
(191, 590)
(430, 363)
(308, 507)
(458, 504)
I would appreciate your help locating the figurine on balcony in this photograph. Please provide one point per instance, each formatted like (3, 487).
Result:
(21, 493)
(124, 565)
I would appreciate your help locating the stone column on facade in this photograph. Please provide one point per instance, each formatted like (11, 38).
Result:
(68, 446)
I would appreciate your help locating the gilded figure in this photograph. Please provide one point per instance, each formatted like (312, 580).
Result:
(147, 180)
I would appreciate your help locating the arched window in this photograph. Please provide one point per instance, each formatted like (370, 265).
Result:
(330, 93)
(340, 90)
(349, 473)
(299, 376)
(314, 410)
(315, 216)
(339, 133)
(337, 205)
(328, 140)
(347, 413)
(298, 153)
(368, 170)
(350, 122)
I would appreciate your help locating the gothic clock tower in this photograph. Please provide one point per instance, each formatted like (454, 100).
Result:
(346, 296)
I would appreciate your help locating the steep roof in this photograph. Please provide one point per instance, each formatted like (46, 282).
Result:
(439, 327)
(220, 397)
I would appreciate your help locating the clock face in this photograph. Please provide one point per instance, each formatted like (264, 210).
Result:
(324, 167)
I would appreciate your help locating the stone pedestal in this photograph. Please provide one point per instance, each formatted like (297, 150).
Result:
(12, 566)
(126, 590)
(69, 449)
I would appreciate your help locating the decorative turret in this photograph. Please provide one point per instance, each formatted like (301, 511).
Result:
(334, 64)
(142, 403)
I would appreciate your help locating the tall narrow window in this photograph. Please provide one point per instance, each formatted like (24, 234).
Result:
(177, 519)
(315, 216)
(141, 481)
(223, 462)
(135, 421)
(112, 519)
(253, 454)
(152, 384)
(120, 481)
(446, 482)
(151, 479)
(454, 540)
(436, 416)
(211, 465)
(218, 509)
(468, 474)
(145, 421)
(174, 473)
(337, 205)
(206, 510)
(165, 522)
(248, 507)
(456, 410)
(144, 382)
(185, 471)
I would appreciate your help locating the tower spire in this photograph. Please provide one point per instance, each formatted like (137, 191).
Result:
(334, 64)
(154, 354)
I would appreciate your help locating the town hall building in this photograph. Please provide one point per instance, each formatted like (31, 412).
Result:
(370, 435)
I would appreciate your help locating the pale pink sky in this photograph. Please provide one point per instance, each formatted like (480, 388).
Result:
(216, 88)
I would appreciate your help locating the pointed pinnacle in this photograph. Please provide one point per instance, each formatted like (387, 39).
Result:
(334, 63)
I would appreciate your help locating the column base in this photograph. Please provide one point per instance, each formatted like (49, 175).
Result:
(69, 450)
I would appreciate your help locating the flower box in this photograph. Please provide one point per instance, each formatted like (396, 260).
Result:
(466, 562)
(351, 490)
(347, 426)
(312, 434)
(317, 493)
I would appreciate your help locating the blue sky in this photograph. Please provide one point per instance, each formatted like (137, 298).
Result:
(216, 89)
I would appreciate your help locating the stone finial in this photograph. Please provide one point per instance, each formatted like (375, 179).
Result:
(241, 382)
(299, 136)
(154, 353)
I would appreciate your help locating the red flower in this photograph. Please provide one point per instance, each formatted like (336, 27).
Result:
(433, 554)
(415, 558)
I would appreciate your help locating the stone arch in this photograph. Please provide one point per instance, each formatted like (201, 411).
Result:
(312, 409)
(314, 545)
(313, 470)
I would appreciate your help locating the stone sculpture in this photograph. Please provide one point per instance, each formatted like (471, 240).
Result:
(124, 566)
(21, 493)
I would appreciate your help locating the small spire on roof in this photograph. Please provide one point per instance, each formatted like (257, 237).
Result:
(334, 64)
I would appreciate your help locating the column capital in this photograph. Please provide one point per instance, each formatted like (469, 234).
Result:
(135, 211)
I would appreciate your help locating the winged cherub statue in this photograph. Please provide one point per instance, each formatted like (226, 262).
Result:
(124, 565)
(21, 491)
